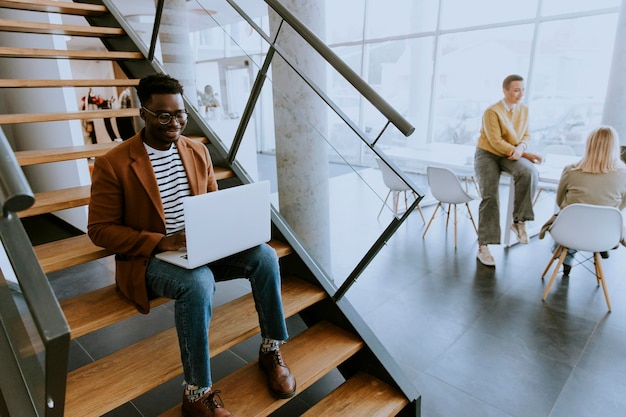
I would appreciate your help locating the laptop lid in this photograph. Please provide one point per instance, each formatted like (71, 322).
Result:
(222, 223)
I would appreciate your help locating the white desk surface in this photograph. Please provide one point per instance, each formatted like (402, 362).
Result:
(460, 160)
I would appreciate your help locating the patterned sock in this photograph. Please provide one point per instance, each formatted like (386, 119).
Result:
(270, 345)
(194, 393)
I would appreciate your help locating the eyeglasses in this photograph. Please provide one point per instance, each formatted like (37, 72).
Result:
(165, 118)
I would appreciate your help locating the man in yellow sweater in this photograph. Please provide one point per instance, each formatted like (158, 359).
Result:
(502, 147)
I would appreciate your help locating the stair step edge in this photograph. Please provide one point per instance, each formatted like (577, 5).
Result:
(103, 307)
(7, 25)
(310, 355)
(49, 6)
(157, 357)
(364, 395)
(51, 201)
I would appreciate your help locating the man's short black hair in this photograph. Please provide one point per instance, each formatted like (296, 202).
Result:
(157, 84)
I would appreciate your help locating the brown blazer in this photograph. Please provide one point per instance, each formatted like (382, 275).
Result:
(125, 211)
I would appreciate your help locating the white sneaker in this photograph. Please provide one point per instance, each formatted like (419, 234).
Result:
(484, 256)
(520, 231)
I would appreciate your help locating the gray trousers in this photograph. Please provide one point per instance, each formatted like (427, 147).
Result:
(488, 168)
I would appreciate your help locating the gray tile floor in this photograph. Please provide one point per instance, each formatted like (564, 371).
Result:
(476, 341)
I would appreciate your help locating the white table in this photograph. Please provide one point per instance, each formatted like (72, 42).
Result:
(549, 172)
(460, 160)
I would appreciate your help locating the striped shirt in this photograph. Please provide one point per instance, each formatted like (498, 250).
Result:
(173, 185)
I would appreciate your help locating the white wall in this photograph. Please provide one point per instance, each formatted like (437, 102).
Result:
(40, 100)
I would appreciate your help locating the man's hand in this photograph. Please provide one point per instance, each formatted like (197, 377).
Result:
(534, 158)
(517, 153)
(172, 242)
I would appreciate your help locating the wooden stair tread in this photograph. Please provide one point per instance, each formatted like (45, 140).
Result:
(157, 358)
(57, 29)
(76, 250)
(221, 173)
(42, 156)
(363, 395)
(79, 115)
(310, 355)
(51, 201)
(65, 253)
(67, 83)
(52, 6)
(97, 309)
(10, 52)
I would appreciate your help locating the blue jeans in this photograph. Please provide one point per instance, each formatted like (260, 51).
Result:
(193, 291)
(488, 168)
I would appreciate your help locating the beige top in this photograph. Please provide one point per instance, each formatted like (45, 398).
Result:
(503, 128)
(607, 189)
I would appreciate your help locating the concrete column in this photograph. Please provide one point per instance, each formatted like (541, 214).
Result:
(301, 154)
(176, 52)
(615, 101)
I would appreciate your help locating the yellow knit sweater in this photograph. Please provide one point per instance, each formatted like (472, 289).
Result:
(503, 130)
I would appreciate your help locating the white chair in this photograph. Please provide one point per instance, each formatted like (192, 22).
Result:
(547, 151)
(585, 227)
(396, 187)
(447, 189)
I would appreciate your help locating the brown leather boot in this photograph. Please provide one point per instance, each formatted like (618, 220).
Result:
(279, 378)
(210, 405)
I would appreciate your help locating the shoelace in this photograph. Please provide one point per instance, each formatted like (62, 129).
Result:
(212, 402)
(278, 358)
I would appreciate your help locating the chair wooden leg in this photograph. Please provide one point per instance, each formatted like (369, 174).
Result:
(555, 255)
(384, 203)
(476, 186)
(455, 225)
(556, 270)
(600, 277)
(396, 198)
(419, 208)
(537, 196)
(421, 214)
(471, 217)
(448, 216)
(431, 218)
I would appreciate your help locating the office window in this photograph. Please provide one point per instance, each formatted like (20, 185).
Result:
(570, 78)
(344, 20)
(471, 66)
(552, 7)
(399, 17)
(463, 13)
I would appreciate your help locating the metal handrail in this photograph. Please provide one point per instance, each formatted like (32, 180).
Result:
(43, 306)
(342, 68)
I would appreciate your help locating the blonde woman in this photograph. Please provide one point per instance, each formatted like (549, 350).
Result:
(599, 178)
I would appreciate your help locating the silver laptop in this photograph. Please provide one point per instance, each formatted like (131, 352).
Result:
(222, 223)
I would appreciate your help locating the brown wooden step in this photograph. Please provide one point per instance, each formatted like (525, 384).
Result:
(103, 307)
(77, 250)
(113, 380)
(221, 173)
(6, 119)
(362, 395)
(65, 253)
(68, 83)
(56, 29)
(53, 6)
(51, 201)
(42, 156)
(92, 311)
(310, 355)
(10, 52)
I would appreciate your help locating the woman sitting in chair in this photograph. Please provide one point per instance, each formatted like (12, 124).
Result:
(599, 178)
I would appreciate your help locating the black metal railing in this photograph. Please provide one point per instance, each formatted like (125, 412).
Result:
(362, 87)
(34, 339)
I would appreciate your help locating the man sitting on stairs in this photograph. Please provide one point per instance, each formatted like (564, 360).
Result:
(136, 211)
